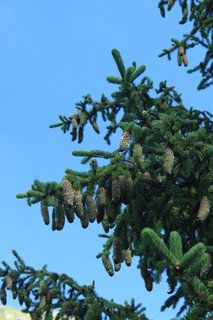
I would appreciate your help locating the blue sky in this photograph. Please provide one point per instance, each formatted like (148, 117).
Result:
(51, 54)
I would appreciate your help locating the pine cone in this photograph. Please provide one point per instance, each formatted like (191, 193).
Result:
(91, 208)
(45, 212)
(117, 266)
(128, 257)
(116, 191)
(204, 209)
(148, 282)
(168, 160)
(59, 217)
(128, 190)
(122, 182)
(3, 294)
(101, 198)
(117, 249)
(67, 193)
(9, 282)
(124, 140)
(53, 220)
(79, 208)
(138, 156)
(48, 297)
(33, 315)
(69, 213)
(107, 264)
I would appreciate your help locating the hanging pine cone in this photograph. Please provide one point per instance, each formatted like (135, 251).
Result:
(20, 296)
(94, 125)
(91, 208)
(117, 249)
(3, 294)
(69, 213)
(78, 204)
(100, 215)
(128, 257)
(170, 4)
(100, 202)
(111, 210)
(67, 193)
(185, 60)
(48, 297)
(74, 129)
(124, 140)
(128, 190)
(53, 220)
(14, 293)
(168, 160)
(117, 266)
(101, 197)
(107, 264)
(180, 56)
(204, 208)
(84, 220)
(45, 212)
(9, 282)
(59, 217)
(148, 282)
(122, 182)
(33, 315)
(116, 191)
(74, 125)
(138, 156)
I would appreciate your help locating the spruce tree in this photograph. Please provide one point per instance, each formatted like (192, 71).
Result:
(154, 198)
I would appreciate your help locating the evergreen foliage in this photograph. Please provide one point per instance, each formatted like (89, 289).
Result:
(155, 194)
(201, 14)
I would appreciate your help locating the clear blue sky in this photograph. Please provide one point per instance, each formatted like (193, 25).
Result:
(51, 54)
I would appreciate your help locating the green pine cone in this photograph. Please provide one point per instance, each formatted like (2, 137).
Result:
(100, 215)
(107, 264)
(83, 118)
(9, 283)
(111, 210)
(122, 182)
(3, 294)
(69, 213)
(138, 156)
(80, 134)
(59, 217)
(67, 193)
(128, 190)
(91, 208)
(95, 126)
(84, 219)
(170, 4)
(45, 212)
(53, 220)
(117, 249)
(116, 191)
